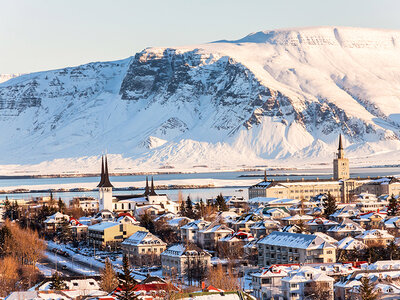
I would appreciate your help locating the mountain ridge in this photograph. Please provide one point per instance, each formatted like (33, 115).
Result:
(281, 100)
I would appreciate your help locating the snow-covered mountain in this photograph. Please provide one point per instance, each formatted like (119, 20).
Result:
(271, 98)
(5, 77)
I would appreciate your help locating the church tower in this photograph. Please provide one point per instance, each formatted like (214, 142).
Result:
(105, 187)
(341, 164)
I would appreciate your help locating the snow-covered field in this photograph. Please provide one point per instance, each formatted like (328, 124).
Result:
(275, 98)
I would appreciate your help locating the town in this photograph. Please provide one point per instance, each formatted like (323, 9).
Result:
(306, 239)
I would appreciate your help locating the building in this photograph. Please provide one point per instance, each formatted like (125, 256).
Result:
(54, 221)
(111, 233)
(209, 237)
(267, 284)
(375, 237)
(131, 203)
(341, 164)
(346, 228)
(286, 248)
(189, 232)
(177, 259)
(320, 225)
(307, 282)
(264, 228)
(341, 186)
(87, 204)
(143, 248)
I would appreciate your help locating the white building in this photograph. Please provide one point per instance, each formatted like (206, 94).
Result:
(176, 259)
(286, 248)
(307, 281)
(189, 232)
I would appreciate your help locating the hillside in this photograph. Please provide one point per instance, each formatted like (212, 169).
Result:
(272, 98)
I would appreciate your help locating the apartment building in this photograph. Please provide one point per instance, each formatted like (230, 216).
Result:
(189, 232)
(111, 233)
(208, 237)
(143, 248)
(176, 259)
(287, 247)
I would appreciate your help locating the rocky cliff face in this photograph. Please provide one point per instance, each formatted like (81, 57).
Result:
(269, 97)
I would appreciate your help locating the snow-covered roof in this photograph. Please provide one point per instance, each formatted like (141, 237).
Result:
(350, 243)
(374, 233)
(196, 225)
(295, 240)
(143, 238)
(103, 225)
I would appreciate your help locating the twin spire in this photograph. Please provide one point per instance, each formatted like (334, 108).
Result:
(104, 179)
(151, 191)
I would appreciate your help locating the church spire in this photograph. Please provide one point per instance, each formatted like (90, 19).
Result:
(106, 182)
(152, 191)
(340, 142)
(340, 153)
(102, 173)
(146, 191)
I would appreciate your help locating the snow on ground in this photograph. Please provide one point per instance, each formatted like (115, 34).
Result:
(139, 184)
(46, 271)
(75, 266)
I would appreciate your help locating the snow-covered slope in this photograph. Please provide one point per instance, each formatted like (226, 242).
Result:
(5, 77)
(274, 97)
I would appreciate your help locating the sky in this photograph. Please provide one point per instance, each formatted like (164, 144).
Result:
(38, 35)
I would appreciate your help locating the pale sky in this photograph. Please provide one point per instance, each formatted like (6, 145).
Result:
(38, 35)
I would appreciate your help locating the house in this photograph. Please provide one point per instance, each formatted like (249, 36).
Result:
(371, 220)
(246, 221)
(346, 228)
(79, 231)
(154, 288)
(178, 258)
(349, 243)
(208, 237)
(375, 237)
(267, 282)
(189, 231)
(111, 233)
(87, 204)
(233, 243)
(285, 248)
(370, 203)
(143, 248)
(275, 213)
(307, 281)
(346, 212)
(263, 228)
(54, 221)
(320, 225)
(296, 219)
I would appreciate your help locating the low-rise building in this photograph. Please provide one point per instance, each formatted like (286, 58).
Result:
(177, 259)
(111, 233)
(209, 237)
(263, 228)
(143, 248)
(189, 231)
(320, 225)
(55, 221)
(375, 237)
(285, 248)
(346, 228)
(307, 282)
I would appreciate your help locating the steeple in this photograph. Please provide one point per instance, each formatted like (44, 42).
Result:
(106, 182)
(340, 142)
(340, 153)
(102, 173)
(146, 191)
(152, 192)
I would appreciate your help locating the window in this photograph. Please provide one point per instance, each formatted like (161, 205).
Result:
(293, 285)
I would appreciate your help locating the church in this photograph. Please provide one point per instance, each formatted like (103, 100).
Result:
(341, 185)
(135, 204)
